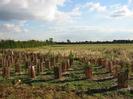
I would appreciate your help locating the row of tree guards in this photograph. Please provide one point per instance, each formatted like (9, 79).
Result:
(118, 69)
(35, 63)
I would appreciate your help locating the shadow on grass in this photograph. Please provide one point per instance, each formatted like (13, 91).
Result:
(76, 69)
(104, 79)
(69, 80)
(100, 73)
(100, 90)
(98, 67)
(30, 81)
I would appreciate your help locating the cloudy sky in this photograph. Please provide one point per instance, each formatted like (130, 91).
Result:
(66, 19)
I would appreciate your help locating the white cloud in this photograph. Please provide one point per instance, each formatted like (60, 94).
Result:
(67, 16)
(88, 29)
(46, 10)
(11, 28)
(72, 32)
(130, 1)
(77, 33)
(122, 11)
(95, 7)
(113, 11)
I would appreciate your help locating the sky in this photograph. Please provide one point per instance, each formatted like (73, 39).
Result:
(76, 20)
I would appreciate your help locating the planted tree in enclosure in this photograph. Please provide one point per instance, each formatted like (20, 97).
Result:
(6, 72)
(123, 78)
(0, 62)
(17, 67)
(42, 66)
(32, 72)
(64, 65)
(88, 71)
(110, 66)
(99, 61)
(105, 64)
(38, 66)
(57, 71)
(132, 66)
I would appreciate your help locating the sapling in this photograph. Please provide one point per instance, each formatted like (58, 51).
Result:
(88, 71)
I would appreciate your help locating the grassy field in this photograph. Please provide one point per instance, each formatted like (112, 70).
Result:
(77, 48)
(73, 84)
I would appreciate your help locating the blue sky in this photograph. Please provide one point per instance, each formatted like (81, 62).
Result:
(77, 20)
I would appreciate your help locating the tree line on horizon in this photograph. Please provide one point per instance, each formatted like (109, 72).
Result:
(36, 43)
(24, 44)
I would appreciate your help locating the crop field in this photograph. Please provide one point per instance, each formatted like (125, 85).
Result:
(69, 71)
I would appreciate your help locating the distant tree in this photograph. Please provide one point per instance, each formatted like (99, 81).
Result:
(50, 40)
(20, 44)
(47, 41)
(68, 41)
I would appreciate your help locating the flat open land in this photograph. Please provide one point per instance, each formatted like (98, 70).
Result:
(74, 71)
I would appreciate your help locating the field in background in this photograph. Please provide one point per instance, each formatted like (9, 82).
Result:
(78, 47)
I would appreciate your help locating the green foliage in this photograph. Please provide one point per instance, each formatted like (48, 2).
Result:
(74, 76)
(49, 41)
(69, 86)
(99, 96)
(71, 55)
(20, 44)
(86, 65)
(24, 44)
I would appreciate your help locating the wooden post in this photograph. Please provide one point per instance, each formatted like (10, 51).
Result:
(132, 66)
(17, 67)
(88, 73)
(57, 72)
(48, 64)
(115, 71)
(68, 63)
(42, 66)
(0, 62)
(32, 73)
(38, 66)
(106, 64)
(99, 61)
(123, 79)
(71, 61)
(110, 65)
(52, 61)
(6, 72)
(63, 65)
